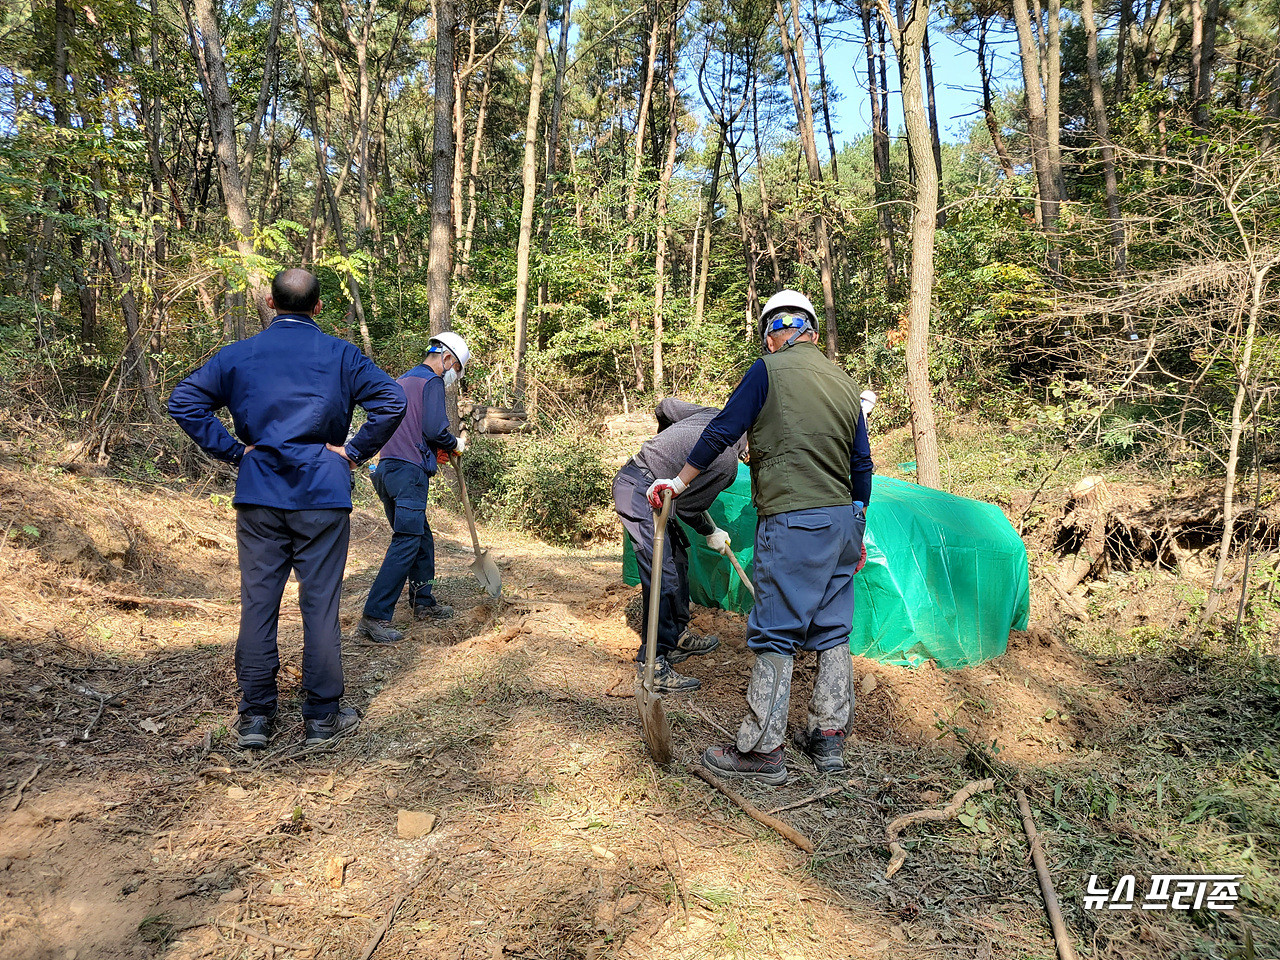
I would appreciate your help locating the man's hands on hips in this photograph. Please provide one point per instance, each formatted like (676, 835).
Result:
(342, 452)
(654, 493)
(718, 540)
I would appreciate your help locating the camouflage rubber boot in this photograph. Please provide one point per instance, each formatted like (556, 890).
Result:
(768, 696)
(830, 710)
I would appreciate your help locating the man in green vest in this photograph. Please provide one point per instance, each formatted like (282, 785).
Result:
(810, 482)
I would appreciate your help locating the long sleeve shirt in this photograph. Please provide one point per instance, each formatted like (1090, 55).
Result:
(290, 390)
(740, 412)
(424, 431)
(680, 423)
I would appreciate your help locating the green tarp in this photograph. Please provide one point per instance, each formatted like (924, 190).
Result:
(945, 580)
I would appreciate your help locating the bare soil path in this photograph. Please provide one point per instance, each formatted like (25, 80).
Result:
(130, 826)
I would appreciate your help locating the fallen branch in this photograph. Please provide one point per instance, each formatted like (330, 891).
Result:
(1060, 935)
(264, 937)
(949, 812)
(755, 813)
(383, 927)
(176, 603)
(17, 796)
(1069, 603)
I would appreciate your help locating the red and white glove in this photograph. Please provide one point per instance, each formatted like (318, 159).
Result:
(461, 448)
(654, 493)
(862, 560)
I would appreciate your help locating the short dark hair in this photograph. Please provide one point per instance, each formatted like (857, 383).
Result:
(295, 291)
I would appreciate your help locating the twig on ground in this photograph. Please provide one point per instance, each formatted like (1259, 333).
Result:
(264, 937)
(812, 798)
(383, 927)
(1060, 935)
(178, 709)
(102, 706)
(1069, 603)
(17, 794)
(755, 813)
(703, 714)
(949, 812)
(176, 603)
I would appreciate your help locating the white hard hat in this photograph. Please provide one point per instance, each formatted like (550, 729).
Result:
(786, 301)
(455, 345)
(868, 399)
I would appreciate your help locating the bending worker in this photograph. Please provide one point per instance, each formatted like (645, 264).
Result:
(290, 391)
(810, 482)
(405, 467)
(680, 424)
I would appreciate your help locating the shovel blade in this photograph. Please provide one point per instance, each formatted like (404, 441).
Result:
(487, 573)
(654, 723)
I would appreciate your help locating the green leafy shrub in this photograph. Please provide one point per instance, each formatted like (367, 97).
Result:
(487, 466)
(559, 488)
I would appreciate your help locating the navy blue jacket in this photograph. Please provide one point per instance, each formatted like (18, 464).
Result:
(290, 390)
(424, 431)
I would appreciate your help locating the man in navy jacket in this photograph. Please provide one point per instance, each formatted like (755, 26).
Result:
(291, 391)
(405, 468)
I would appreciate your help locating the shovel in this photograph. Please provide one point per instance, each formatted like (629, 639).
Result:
(742, 574)
(653, 718)
(482, 566)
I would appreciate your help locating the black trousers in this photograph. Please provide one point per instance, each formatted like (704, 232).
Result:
(273, 543)
(673, 582)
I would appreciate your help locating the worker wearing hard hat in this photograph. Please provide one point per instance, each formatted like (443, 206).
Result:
(405, 468)
(810, 482)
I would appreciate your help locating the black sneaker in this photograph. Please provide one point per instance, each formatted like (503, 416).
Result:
(666, 680)
(253, 730)
(331, 727)
(377, 631)
(692, 644)
(435, 611)
(825, 748)
(728, 761)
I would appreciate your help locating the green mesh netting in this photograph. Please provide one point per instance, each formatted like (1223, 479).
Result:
(945, 580)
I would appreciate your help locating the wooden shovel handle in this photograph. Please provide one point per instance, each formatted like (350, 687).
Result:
(655, 588)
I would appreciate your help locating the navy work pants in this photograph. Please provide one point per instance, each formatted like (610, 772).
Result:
(411, 556)
(804, 566)
(272, 543)
(637, 518)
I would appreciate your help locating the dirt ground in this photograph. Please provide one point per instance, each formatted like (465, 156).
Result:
(131, 826)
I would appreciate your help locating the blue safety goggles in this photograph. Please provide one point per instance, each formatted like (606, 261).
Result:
(786, 321)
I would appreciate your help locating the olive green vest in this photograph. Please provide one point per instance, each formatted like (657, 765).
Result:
(802, 439)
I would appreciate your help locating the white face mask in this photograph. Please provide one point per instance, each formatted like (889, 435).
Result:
(450, 377)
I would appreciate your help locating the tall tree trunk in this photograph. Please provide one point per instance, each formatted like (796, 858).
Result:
(553, 149)
(908, 42)
(879, 150)
(207, 40)
(766, 214)
(270, 66)
(473, 172)
(704, 263)
(748, 253)
(988, 107)
(135, 343)
(1052, 97)
(935, 133)
(322, 173)
(793, 54)
(1104, 139)
(664, 185)
(440, 253)
(530, 189)
(1122, 37)
(1038, 129)
(633, 183)
(823, 94)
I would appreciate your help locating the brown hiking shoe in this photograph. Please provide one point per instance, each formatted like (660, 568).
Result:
(729, 761)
